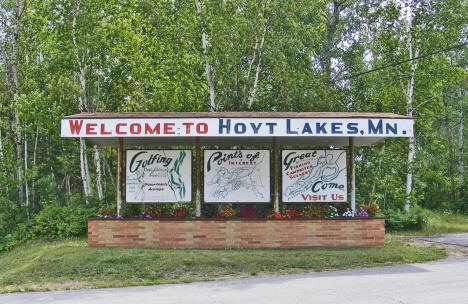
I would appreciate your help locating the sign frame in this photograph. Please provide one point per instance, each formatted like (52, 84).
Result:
(304, 127)
(346, 177)
(268, 198)
(189, 192)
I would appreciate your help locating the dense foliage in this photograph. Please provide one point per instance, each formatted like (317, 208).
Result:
(60, 57)
(395, 220)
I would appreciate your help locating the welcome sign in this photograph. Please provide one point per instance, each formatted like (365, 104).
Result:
(159, 176)
(237, 176)
(314, 176)
(225, 127)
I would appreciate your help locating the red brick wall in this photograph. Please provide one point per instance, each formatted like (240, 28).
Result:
(236, 233)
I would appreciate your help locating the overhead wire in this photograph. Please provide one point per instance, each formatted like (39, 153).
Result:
(404, 61)
(417, 74)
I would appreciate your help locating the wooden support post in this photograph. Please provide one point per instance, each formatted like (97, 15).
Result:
(275, 178)
(352, 184)
(197, 185)
(119, 176)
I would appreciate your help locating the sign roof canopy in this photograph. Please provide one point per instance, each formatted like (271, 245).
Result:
(236, 128)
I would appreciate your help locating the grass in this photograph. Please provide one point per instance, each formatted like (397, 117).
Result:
(70, 264)
(445, 223)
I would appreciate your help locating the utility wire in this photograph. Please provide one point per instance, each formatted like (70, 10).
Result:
(418, 74)
(404, 61)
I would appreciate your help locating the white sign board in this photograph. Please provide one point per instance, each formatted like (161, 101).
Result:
(241, 127)
(237, 176)
(159, 176)
(314, 176)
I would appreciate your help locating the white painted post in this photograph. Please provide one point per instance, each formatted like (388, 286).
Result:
(352, 176)
(119, 176)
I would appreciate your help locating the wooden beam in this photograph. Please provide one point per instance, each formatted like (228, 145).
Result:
(197, 177)
(352, 184)
(119, 176)
(275, 177)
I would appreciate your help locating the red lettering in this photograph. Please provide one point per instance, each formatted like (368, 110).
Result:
(117, 128)
(75, 126)
(202, 128)
(168, 128)
(187, 126)
(337, 197)
(135, 128)
(103, 130)
(305, 196)
(155, 130)
(90, 129)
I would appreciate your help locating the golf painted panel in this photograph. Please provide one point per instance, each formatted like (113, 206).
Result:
(237, 176)
(159, 176)
(314, 176)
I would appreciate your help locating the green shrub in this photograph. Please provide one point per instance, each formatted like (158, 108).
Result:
(461, 205)
(56, 221)
(21, 234)
(396, 220)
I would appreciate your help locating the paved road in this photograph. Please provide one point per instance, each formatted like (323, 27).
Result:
(460, 239)
(438, 282)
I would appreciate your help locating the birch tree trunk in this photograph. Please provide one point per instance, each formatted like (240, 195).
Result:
(461, 167)
(409, 113)
(85, 176)
(19, 9)
(450, 165)
(33, 183)
(209, 76)
(26, 189)
(257, 71)
(109, 171)
(1, 145)
(82, 105)
(97, 163)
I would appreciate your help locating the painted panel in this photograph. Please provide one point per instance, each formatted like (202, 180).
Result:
(236, 176)
(158, 176)
(314, 176)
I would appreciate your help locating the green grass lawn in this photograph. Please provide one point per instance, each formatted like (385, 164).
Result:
(70, 264)
(445, 223)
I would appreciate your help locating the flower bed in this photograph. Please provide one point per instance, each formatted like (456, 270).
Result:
(236, 233)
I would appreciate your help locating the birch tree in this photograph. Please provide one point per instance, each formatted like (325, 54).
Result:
(12, 14)
(409, 93)
(83, 102)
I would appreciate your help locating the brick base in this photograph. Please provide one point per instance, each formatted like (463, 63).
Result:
(236, 233)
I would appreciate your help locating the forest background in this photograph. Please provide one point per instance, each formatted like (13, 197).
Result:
(63, 57)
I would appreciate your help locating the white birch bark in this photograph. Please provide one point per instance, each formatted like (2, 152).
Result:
(257, 71)
(244, 89)
(33, 183)
(82, 105)
(85, 176)
(97, 163)
(109, 171)
(209, 76)
(26, 188)
(409, 113)
(461, 167)
(67, 181)
(19, 9)
(1, 144)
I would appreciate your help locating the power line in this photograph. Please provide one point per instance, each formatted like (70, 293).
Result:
(418, 74)
(404, 61)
